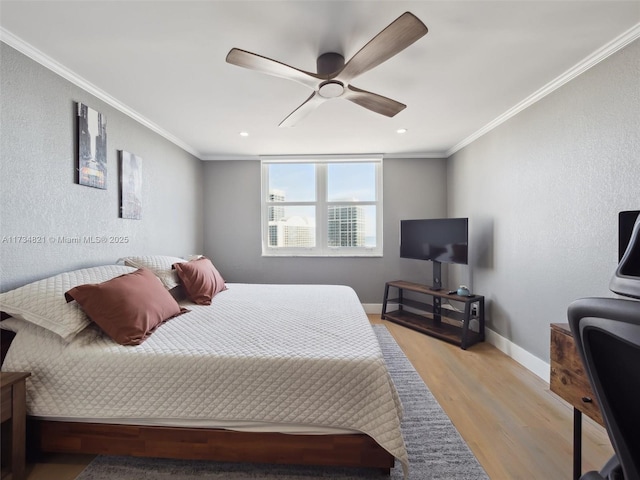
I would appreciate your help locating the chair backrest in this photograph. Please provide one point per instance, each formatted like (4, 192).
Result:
(626, 279)
(607, 335)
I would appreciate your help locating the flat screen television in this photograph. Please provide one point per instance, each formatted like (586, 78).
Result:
(440, 240)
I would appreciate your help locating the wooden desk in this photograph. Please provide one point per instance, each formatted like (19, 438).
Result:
(13, 408)
(569, 380)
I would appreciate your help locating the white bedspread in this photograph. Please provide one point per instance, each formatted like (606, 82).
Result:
(282, 354)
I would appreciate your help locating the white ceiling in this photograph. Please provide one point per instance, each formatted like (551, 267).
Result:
(163, 62)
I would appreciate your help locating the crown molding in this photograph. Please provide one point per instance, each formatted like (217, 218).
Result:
(218, 157)
(56, 67)
(400, 156)
(596, 57)
(221, 157)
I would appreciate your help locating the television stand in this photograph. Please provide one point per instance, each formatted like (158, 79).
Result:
(428, 316)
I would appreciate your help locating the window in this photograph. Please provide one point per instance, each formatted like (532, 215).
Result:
(322, 206)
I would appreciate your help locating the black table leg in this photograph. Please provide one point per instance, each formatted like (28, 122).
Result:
(577, 444)
(384, 300)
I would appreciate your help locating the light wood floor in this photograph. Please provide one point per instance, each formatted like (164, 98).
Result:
(514, 425)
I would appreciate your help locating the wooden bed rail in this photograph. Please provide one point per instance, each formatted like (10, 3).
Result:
(351, 450)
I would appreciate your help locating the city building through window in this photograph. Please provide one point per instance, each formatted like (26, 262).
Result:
(322, 206)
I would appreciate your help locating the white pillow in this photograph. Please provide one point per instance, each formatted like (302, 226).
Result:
(12, 324)
(42, 302)
(160, 265)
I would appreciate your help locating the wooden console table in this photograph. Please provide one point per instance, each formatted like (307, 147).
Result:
(570, 381)
(430, 318)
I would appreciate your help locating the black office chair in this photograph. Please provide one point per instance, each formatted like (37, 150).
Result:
(607, 335)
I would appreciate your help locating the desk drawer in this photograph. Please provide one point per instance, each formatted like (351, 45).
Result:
(6, 406)
(569, 379)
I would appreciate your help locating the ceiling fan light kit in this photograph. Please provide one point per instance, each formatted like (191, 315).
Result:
(331, 89)
(334, 76)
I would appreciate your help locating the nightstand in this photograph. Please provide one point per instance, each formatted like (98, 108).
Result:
(13, 408)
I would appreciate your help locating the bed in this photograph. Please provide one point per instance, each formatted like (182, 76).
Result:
(287, 374)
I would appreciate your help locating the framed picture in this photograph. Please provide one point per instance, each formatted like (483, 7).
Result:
(130, 186)
(92, 147)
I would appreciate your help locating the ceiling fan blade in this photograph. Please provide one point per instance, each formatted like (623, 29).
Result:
(253, 61)
(401, 33)
(373, 101)
(309, 105)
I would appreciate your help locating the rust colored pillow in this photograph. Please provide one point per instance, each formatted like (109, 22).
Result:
(201, 280)
(128, 308)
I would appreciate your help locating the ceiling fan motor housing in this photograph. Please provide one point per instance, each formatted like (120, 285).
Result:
(329, 63)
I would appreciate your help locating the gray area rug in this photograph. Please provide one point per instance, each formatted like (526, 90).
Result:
(436, 450)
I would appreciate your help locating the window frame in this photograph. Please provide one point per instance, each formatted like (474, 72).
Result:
(321, 204)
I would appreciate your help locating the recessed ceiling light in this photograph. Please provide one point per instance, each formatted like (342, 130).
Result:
(244, 134)
(401, 130)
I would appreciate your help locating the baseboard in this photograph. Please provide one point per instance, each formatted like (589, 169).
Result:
(372, 308)
(519, 354)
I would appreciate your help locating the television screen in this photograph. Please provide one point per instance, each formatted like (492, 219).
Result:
(442, 240)
(626, 221)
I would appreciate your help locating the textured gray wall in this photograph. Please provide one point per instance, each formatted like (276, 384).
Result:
(413, 188)
(544, 190)
(38, 196)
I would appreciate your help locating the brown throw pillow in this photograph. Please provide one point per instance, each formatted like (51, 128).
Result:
(201, 280)
(128, 308)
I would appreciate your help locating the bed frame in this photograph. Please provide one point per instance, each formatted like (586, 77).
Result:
(351, 450)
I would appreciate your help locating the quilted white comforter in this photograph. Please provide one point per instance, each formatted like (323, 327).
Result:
(282, 354)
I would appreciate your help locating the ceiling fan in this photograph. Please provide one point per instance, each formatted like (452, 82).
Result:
(334, 76)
